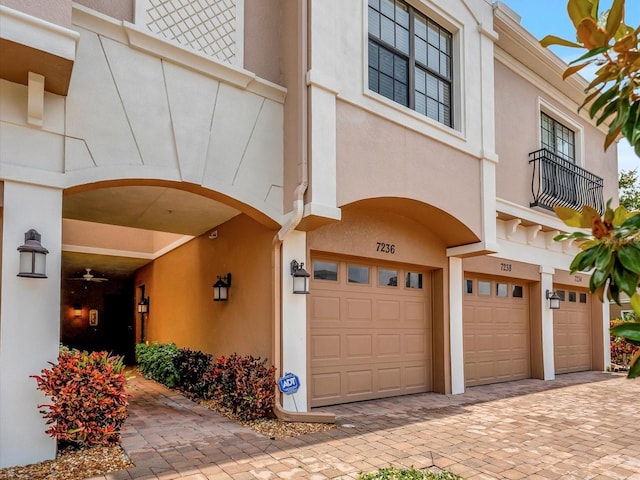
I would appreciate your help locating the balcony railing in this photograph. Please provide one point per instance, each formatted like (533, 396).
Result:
(560, 182)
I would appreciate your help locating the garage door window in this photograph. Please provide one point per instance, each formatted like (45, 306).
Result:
(502, 290)
(387, 278)
(484, 288)
(358, 274)
(414, 280)
(583, 298)
(572, 296)
(560, 293)
(517, 291)
(468, 287)
(325, 271)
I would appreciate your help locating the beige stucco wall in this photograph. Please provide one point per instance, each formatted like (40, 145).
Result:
(262, 39)
(120, 9)
(54, 11)
(379, 158)
(517, 122)
(179, 285)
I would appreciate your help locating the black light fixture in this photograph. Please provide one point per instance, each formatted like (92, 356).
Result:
(221, 288)
(300, 277)
(554, 300)
(143, 305)
(143, 310)
(32, 256)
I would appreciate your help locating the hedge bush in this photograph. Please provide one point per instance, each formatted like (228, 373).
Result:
(393, 473)
(155, 361)
(243, 384)
(88, 399)
(192, 365)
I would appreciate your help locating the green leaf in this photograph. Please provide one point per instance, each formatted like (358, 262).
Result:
(632, 222)
(584, 260)
(598, 278)
(554, 40)
(619, 216)
(615, 17)
(629, 257)
(625, 279)
(613, 293)
(605, 259)
(634, 369)
(630, 330)
(591, 53)
(603, 100)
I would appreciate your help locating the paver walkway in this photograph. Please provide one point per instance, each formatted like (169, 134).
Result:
(580, 426)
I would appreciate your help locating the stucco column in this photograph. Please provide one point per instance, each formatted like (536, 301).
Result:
(606, 315)
(30, 322)
(294, 321)
(546, 283)
(455, 325)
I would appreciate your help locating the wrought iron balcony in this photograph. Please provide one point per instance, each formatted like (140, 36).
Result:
(560, 182)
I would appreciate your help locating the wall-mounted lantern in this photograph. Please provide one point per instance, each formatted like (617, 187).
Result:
(143, 310)
(554, 300)
(77, 310)
(221, 288)
(32, 256)
(300, 277)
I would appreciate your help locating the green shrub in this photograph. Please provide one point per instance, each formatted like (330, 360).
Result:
(244, 384)
(88, 399)
(392, 473)
(192, 365)
(155, 361)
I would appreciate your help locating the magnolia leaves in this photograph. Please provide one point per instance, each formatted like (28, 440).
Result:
(613, 46)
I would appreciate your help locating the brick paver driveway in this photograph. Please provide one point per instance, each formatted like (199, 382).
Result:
(581, 426)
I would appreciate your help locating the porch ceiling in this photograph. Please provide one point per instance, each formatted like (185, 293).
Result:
(147, 210)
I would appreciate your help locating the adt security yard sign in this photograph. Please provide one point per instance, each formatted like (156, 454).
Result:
(289, 384)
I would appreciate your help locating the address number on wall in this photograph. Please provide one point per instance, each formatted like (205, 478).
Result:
(386, 247)
(506, 267)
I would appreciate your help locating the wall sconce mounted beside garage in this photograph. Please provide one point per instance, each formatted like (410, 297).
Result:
(143, 305)
(32, 256)
(77, 310)
(221, 288)
(300, 278)
(554, 300)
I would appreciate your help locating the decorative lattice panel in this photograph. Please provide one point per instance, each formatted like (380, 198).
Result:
(208, 26)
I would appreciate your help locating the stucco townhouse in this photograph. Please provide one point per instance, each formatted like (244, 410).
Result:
(403, 153)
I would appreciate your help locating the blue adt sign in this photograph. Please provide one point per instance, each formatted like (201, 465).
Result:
(289, 384)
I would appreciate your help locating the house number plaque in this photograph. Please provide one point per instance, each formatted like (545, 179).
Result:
(386, 247)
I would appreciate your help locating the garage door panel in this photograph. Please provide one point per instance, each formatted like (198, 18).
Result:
(325, 309)
(359, 346)
(325, 347)
(368, 341)
(496, 334)
(572, 333)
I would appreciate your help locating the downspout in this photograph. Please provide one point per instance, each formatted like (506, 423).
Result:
(289, 225)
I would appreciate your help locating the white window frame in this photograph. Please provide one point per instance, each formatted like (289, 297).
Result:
(559, 116)
(457, 83)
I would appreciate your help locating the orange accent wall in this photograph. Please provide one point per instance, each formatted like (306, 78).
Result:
(179, 286)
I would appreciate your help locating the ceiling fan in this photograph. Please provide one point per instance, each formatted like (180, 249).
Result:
(90, 277)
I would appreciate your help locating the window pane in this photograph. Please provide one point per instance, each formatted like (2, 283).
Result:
(517, 291)
(387, 31)
(484, 288)
(444, 65)
(387, 278)
(387, 8)
(413, 280)
(373, 80)
(375, 4)
(325, 270)
(560, 293)
(386, 86)
(420, 27)
(583, 298)
(402, 15)
(502, 289)
(432, 86)
(374, 51)
(401, 94)
(421, 103)
(402, 40)
(445, 42)
(468, 286)
(421, 51)
(358, 274)
(386, 62)
(374, 23)
(433, 33)
(433, 60)
(572, 296)
(400, 69)
(421, 81)
(432, 109)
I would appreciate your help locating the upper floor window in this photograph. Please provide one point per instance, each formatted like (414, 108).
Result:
(410, 59)
(557, 138)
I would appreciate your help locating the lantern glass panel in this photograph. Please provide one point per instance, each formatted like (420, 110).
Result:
(40, 263)
(26, 262)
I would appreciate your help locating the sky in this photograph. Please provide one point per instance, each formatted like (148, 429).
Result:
(549, 17)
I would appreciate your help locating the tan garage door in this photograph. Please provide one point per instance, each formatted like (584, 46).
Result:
(572, 331)
(370, 331)
(496, 331)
